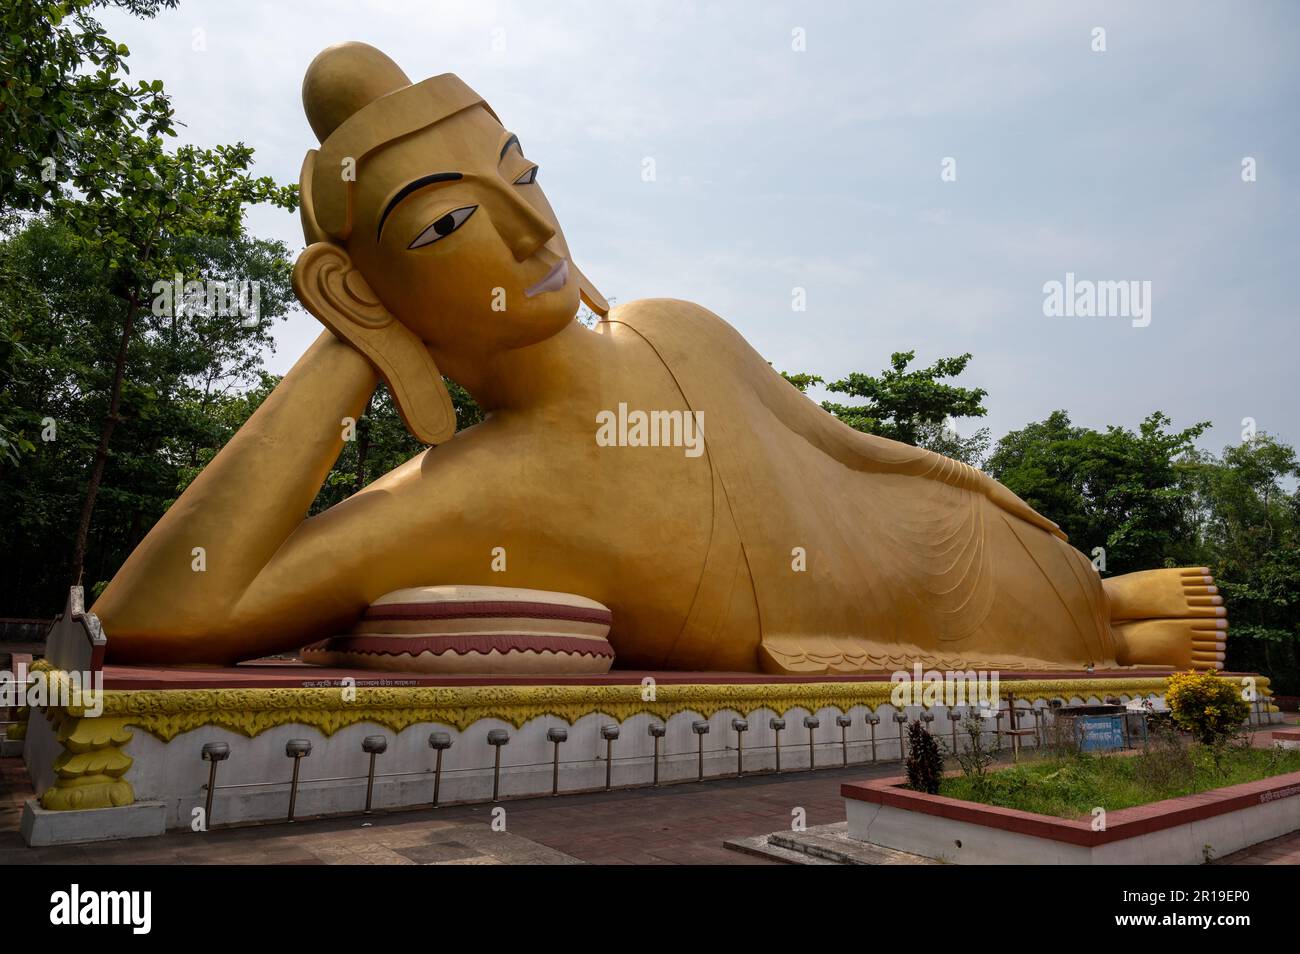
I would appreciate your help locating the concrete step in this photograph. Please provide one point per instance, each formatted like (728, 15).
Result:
(823, 845)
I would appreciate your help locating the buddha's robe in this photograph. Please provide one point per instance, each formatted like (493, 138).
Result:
(910, 556)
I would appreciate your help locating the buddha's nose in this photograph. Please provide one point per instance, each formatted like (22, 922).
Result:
(523, 228)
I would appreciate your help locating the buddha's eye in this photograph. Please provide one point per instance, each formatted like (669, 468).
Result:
(443, 227)
(528, 178)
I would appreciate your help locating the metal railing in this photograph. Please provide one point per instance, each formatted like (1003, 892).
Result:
(374, 746)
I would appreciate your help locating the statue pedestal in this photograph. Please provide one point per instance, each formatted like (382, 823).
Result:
(146, 746)
(41, 827)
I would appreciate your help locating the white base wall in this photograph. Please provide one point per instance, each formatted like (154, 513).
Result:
(966, 843)
(175, 774)
(40, 749)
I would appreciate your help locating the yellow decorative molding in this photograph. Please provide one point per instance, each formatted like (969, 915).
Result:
(88, 772)
(18, 731)
(165, 713)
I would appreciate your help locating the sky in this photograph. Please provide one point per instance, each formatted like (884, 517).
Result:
(920, 170)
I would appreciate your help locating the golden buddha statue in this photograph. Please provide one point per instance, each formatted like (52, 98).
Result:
(786, 542)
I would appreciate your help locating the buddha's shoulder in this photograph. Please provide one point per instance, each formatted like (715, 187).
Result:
(671, 317)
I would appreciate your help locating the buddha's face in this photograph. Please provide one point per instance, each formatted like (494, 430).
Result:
(453, 232)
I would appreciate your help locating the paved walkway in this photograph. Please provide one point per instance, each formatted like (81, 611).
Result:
(1279, 851)
(678, 824)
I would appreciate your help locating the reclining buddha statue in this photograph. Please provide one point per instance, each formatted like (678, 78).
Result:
(579, 522)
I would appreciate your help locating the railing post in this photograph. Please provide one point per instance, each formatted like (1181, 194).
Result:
(556, 735)
(701, 729)
(213, 752)
(296, 749)
(657, 731)
(777, 725)
(811, 722)
(497, 738)
(439, 742)
(609, 733)
(375, 745)
(741, 726)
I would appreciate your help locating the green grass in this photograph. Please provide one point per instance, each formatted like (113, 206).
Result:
(1071, 786)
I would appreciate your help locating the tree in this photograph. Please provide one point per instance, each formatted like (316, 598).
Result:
(66, 106)
(1249, 524)
(1118, 489)
(151, 222)
(802, 380)
(15, 426)
(899, 402)
(184, 372)
(944, 439)
(914, 407)
(138, 212)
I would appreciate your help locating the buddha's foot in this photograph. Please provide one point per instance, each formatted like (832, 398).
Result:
(1168, 618)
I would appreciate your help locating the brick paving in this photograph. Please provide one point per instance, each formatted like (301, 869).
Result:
(1279, 851)
(677, 824)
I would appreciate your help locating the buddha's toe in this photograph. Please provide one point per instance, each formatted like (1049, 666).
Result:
(1181, 593)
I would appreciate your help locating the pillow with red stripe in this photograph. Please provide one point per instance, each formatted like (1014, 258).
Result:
(474, 630)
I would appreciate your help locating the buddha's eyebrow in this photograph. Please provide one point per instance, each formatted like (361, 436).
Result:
(512, 141)
(410, 187)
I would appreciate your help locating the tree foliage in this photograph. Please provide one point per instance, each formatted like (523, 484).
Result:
(1118, 489)
(135, 211)
(898, 403)
(912, 406)
(191, 382)
(1249, 529)
(66, 102)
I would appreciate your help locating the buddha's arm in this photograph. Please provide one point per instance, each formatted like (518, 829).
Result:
(241, 508)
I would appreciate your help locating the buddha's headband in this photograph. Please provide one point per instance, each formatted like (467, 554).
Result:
(329, 174)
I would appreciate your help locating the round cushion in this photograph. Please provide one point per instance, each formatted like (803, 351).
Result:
(474, 630)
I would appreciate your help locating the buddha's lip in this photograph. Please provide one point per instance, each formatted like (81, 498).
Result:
(556, 278)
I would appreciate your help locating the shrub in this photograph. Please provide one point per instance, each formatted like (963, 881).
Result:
(924, 760)
(977, 756)
(1060, 737)
(1206, 706)
(1165, 760)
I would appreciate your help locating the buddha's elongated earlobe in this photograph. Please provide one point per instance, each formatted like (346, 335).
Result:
(591, 295)
(336, 293)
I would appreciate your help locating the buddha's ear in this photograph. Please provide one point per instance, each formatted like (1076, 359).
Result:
(336, 293)
(590, 293)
